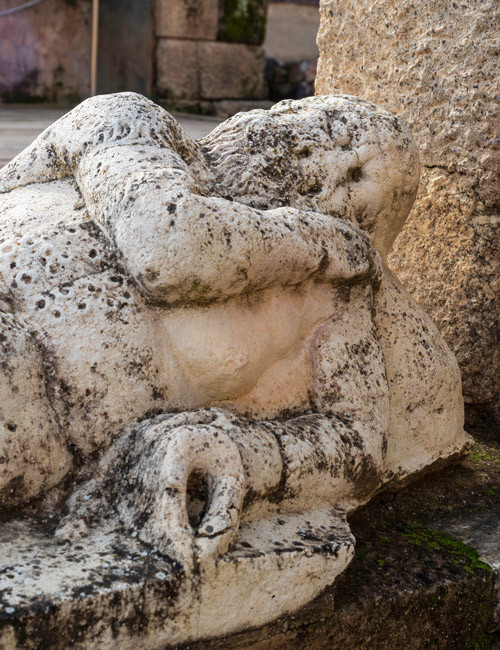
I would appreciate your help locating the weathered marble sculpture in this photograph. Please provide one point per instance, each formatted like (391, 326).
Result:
(201, 344)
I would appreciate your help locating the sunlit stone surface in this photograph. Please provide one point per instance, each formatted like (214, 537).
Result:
(206, 364)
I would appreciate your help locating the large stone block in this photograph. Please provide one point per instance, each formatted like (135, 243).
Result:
(291, 32)
(192, 19)
(231, 71)
(177, 69)
(209, 70)
(435, 63)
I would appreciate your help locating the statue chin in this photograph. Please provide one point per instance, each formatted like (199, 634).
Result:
(204, 369)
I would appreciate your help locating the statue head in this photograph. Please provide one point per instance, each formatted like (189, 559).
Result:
(337, 155)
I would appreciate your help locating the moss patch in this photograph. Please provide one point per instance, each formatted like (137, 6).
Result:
(459, 553)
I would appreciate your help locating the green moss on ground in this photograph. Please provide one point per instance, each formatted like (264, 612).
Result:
(459, 553)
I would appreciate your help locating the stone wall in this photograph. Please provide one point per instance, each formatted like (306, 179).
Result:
(435, 62)
(208, 51)
(205, 51)
(45, 51)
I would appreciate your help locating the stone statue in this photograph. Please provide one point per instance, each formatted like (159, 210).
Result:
(202, 345)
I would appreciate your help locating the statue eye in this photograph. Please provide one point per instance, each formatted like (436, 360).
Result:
(354, 174)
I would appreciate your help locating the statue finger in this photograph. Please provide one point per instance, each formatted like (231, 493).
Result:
(220, 523)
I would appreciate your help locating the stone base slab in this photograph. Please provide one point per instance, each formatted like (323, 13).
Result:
(108, 590)
(409, 585)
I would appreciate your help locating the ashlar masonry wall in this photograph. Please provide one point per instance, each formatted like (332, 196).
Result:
(208, 50)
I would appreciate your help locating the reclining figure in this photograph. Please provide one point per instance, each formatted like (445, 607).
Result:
(203, 330)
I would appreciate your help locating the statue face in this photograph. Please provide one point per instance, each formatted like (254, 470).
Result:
(363, 165)
(334, 154)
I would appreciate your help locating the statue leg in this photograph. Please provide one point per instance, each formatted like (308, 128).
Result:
(33, 456)
(348, 370)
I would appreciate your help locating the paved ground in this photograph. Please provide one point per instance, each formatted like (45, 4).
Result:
(19, 126)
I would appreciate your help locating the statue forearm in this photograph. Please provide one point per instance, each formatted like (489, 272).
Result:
(318, 457)
(183, 247)
(327, 458)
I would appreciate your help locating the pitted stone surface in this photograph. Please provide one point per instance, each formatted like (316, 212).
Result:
(439, 65)
(206, 337)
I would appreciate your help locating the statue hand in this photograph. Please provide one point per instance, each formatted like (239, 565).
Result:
(351, 255)
(182, 485)
(212, 459)
(176, 482)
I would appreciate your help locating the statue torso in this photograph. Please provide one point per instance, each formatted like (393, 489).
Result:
(62, 277)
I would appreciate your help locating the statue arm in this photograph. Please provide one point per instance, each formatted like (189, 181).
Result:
(184, 247)
(179, 244)
(303, 463)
